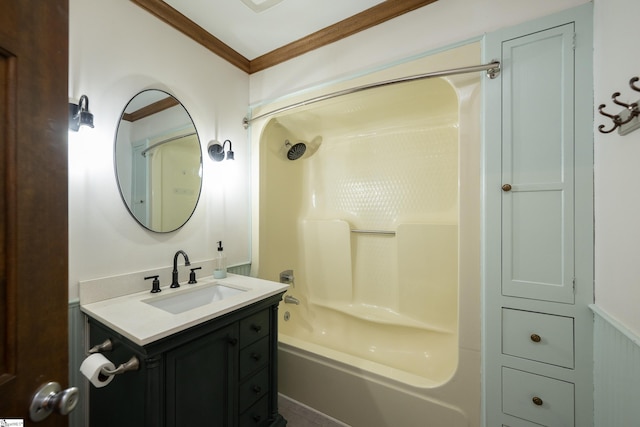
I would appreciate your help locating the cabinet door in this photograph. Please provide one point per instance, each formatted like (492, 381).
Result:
(537, 165)
(538, 210)
(201, 379)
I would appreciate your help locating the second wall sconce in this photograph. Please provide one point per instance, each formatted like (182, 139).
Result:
(216, 151)
(79, 114)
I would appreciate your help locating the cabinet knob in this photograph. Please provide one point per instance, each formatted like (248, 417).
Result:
(233, 340)
(537, 401)
(257, 389)
(256, 328)
(535, 338)
(256, 356)
(257, 418)
(506, 187)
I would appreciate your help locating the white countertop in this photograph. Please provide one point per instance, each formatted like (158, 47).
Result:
(143, 323)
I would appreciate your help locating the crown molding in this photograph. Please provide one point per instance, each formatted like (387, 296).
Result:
(345, 28)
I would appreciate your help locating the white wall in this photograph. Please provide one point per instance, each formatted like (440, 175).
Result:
(617, 175)
(116, 50)
(435, 26)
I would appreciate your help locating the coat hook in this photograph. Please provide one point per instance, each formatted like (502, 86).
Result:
(614, 118)
(624, 117)
(622, 104)
(633, 110)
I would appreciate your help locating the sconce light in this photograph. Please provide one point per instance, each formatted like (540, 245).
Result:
(79, 114)
(216, 151)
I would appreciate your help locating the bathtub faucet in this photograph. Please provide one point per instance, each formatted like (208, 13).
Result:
(287, 278)
(288, 299)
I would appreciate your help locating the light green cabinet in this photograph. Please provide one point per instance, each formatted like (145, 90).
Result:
(537, 165)
(538, 224)
(543, 400)
(538, 336)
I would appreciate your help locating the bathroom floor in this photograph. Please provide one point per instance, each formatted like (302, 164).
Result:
(299, 415)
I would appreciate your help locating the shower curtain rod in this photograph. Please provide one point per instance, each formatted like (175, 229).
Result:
(492, 69)
(164, 141)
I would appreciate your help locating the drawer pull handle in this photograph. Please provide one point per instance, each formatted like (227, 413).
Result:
(256, 328)
(537, 401)
(257, 389)
(535, 338)
(256, 356)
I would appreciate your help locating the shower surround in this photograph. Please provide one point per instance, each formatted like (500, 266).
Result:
(379, 220)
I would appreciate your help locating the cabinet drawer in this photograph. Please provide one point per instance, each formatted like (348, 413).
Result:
(539, 399)
(254, 356)
(253, 389)
(542, 337)
(254, 327)
(256, 415)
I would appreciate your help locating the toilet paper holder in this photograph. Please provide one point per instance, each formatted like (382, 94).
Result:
(106, 345)
(132, 364)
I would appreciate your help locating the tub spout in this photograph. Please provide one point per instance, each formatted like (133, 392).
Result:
(288, 299)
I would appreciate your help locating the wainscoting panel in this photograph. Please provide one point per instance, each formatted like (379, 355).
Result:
(616, 372)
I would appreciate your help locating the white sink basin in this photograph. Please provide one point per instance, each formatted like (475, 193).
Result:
(188, 299)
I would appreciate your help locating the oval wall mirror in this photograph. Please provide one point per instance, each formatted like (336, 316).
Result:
(158, 161)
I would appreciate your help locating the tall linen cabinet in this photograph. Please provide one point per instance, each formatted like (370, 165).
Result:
(538, 224)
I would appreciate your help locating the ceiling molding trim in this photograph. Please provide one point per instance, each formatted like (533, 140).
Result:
(345, 28)
(189, 28)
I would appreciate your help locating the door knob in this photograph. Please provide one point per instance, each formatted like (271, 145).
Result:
(506, 187)
(50, 397)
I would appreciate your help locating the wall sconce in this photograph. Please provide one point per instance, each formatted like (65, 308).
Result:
(79, 114)
(216, 151)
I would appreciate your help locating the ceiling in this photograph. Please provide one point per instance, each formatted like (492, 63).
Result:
(256, 34)
(253, 34)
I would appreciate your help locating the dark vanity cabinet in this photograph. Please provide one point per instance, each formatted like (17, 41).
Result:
(219, 373)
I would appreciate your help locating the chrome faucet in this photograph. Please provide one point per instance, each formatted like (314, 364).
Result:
(174, 273)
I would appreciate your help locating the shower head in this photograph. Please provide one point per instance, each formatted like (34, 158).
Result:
(295, 151)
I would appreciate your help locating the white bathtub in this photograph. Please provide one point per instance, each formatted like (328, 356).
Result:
(387, 329)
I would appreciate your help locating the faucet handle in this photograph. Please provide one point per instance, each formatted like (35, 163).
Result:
(156, 284)
(192, 275)
(286, 277)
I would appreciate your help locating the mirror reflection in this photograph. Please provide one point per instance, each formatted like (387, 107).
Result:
(158, 161)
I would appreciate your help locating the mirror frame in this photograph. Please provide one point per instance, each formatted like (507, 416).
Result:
(164, 103)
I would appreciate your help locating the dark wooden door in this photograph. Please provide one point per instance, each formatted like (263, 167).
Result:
(33, 202)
